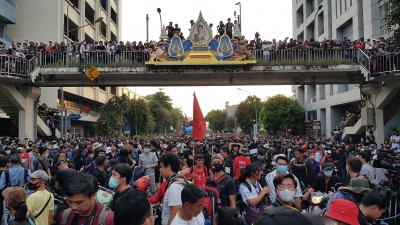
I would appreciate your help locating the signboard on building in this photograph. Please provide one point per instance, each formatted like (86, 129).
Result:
(308, 126)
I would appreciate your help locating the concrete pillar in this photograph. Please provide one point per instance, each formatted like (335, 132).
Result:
(379, 126)
(300, 95)
(28, 115)
(322, 118)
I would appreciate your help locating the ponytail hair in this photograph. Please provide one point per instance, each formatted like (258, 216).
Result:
(248, 171)
(22, 209)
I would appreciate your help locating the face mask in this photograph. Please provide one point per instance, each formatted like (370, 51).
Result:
(328, 173)
(113, 183)
(32, 187)
(23, 161)
(282, 169)
(8, 152)
(84, 43)
(146, 150)
(261, 157)
(91, 156)
(286, 195)
(216, 167)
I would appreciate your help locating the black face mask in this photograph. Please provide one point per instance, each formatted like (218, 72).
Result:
(216, 167)
(32, 187)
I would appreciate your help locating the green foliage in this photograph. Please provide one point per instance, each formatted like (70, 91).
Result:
(246, 109)
(140, 112)
(279, 112)
(216, 119)
(230, 123)
(112, 115)
(392, 19)
(160, 97)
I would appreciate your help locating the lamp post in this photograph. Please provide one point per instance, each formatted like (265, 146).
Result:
(66, 65)
(240, 15)
(255, 105)
(319, 8)
(159, 12)
(147, 28)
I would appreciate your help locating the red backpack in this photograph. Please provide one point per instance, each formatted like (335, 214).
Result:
(212, 199)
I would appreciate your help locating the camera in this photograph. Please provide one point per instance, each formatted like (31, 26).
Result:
(388, 159)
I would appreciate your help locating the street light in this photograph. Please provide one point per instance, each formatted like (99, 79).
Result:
(255, 105)
(319, 8)
(159, 12)
(66, 65)
(240, 15)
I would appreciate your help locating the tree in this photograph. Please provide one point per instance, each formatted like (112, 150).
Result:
(140, 116)
(230, 123)
(216, 119)
(392, 18)
(279, 112)
(112, 115)
(164, 100)
(246, 112)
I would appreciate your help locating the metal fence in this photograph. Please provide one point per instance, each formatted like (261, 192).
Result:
(58, 58)
(17, 66)
(380, 64)
(285, 55)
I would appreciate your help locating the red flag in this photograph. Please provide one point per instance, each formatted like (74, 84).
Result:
(186, 119)
(199, 123)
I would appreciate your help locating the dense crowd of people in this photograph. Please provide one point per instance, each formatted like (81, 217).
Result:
(379, 55)
(223, 178)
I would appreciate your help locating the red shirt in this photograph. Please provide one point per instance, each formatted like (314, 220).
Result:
(160, 194)
(200, 177)
(239, 163)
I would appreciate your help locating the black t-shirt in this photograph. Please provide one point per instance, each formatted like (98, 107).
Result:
(228, 164)
(226, 187)
(229, 27)
(62, 177)
(110, 156)
(101, 47)
(170, 31)
(207, 160)
(188, 153)
(118, 195)
(101, 176)
(321, 185)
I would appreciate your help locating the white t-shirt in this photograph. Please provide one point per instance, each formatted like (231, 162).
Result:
(395, 138)
(198, 220)
(171, 198)
(270, 183)
(247, 194)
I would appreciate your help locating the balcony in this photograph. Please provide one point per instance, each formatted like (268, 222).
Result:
(8, 11)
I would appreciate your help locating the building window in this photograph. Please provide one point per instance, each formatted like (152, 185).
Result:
(113, 37)
(104, 4)
(89, 13)
(88, 38)
(2, 28)
(75, 3)
(114, 16)
(103, 29)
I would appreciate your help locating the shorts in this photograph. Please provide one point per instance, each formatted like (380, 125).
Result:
(152, 184)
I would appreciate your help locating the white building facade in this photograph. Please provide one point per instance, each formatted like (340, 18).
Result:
(336, 19)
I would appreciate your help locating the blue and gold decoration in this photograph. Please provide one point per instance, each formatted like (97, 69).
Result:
(201, 49)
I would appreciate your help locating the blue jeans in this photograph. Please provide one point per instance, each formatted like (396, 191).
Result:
(266, 58)
(6, 213)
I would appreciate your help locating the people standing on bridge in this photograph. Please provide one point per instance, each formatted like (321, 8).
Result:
(229, 28)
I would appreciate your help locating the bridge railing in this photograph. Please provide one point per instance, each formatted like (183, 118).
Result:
(313, 55)
(16, 66)
(94, 58)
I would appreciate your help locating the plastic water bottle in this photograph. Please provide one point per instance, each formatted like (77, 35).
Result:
(219, 205)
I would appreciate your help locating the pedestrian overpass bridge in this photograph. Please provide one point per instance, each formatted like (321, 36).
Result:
(20, 82)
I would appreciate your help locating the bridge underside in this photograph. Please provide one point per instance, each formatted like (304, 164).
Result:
(74, 77)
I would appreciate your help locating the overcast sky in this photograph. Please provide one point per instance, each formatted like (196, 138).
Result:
(271, 18)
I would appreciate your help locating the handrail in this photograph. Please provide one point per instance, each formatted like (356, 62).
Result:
(16, 66)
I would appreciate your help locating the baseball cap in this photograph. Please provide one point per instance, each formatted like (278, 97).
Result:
(344, 211)
(328, 166)
(39, 174)
(147, 144)
(285, 215)
(358, 185)
(60, 162)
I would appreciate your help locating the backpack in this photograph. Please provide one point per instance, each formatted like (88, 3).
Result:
(212, 199)
(8, 183)
(67, 218)
(138, 172)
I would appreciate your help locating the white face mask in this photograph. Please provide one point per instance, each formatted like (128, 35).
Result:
(286, 195)
(23, 161)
